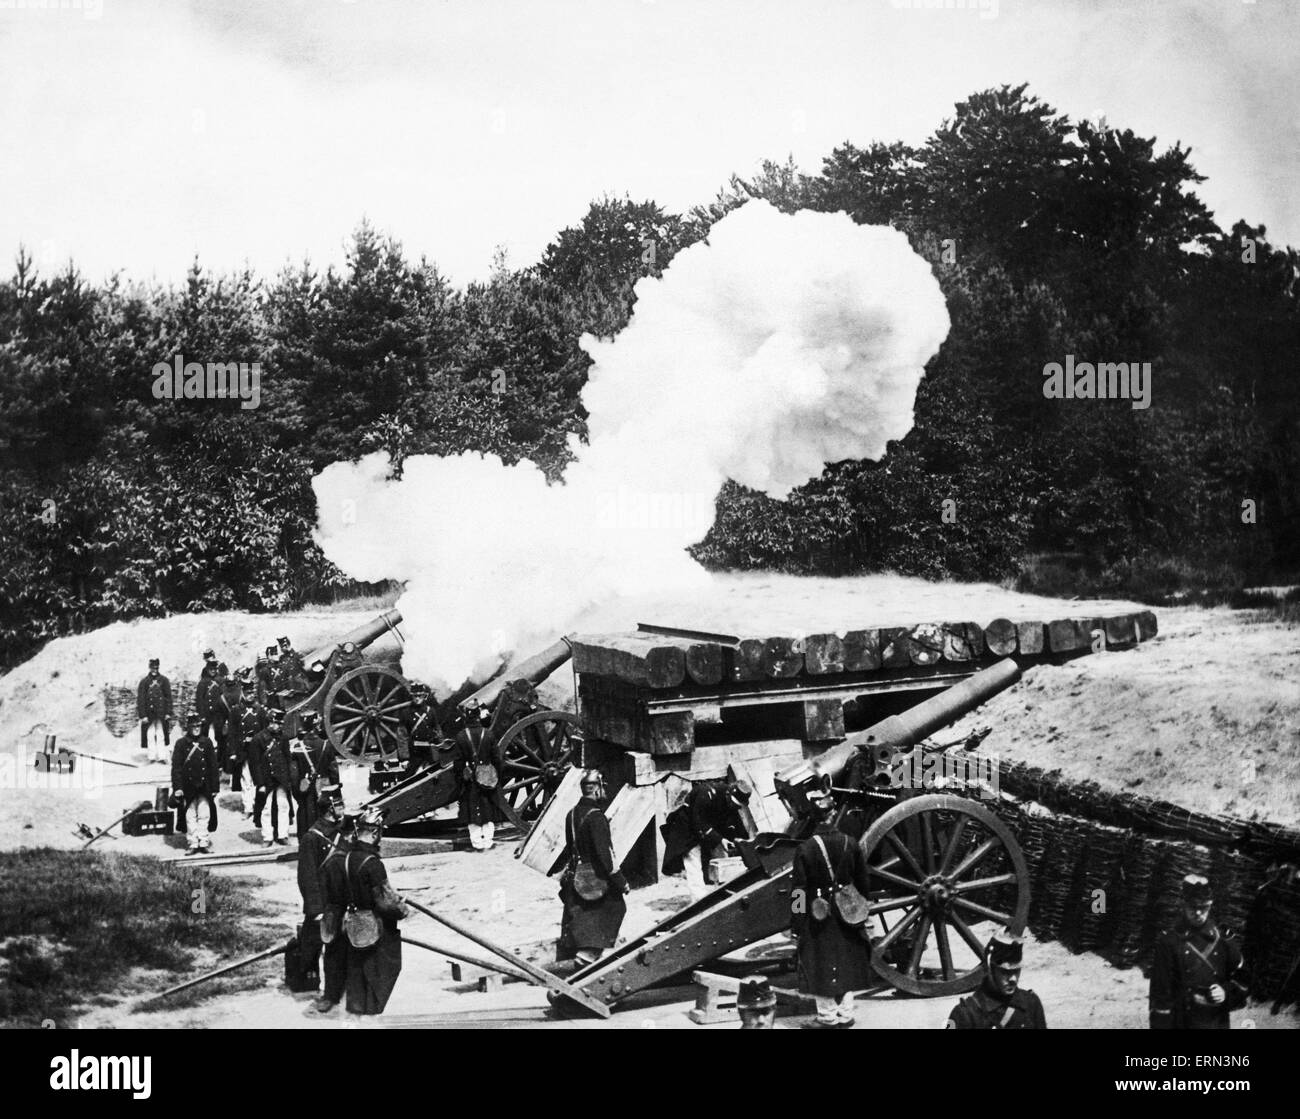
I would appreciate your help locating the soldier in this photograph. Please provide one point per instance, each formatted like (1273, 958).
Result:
(196, 779)
(1000, 1003)
(313, 847)
(268, 676)
(420, 731)
(1195, 977)
(244, 720)
(293, 677)
(834, 957)
(218, 708)
(703, 827)
(268, 766)
(313, 763)
(335, 958)
(209, 688)
(592, 887)
(153, 707)
(482, 762)
(360, 903)
(756, 1004)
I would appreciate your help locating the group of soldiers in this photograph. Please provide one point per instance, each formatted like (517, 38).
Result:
(238, 723)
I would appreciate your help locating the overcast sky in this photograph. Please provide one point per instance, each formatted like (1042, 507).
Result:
(134, 134)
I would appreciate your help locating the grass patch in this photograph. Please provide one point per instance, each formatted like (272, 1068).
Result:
(75, 923)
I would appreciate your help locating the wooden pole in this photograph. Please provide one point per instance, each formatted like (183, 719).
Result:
(225, 970)
(101, 834)
(554, 982)
(473, 961)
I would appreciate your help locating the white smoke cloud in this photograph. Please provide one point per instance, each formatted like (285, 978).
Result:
(787, 342)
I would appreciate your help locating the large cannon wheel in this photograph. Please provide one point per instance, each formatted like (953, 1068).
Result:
(538, 750)
(364, 713)
(940, 866)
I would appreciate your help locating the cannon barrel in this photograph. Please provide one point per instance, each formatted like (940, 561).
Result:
(363, 635)
(534, 669)
(899, 732)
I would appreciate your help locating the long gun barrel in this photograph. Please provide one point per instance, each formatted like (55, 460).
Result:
(898, 732)
(534, 669)
(363, 635)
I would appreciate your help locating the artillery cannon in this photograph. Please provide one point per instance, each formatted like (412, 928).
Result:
(941, 866)
(365, 710)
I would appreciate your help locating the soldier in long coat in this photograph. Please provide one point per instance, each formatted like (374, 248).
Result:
(153, 707)
(698, 831)
(209, 687)
(196, 780)
(1195, 976)
(834, 957)
(246, 718)
(269, 767)
(313, 847)
(480, 801)
(589, 926)
(314, 763)
(359, 880)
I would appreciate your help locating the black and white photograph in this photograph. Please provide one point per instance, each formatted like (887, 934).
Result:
(650, 514)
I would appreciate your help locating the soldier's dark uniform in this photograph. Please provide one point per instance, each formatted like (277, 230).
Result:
(196, 775)
(313, 848)
(590, 926)
(476, 746)
(268, 765)
(153, 707)
(708, 817)
(311, 757)
(358, 879)
(834, 959)
(246, 719)
(335, 959)
(984, 1010)
(1187, 962)
(206, 694)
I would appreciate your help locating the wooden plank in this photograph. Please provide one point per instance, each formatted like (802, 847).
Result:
(651, 663)
(671, 733)
(924, 644)
(1121, 630)
(1146, 625)
(823, 653)
(894, 648)
(1000, 637)
(1063, 636)
(1030, 637)
(706, 663)
(748, 662)
(782, 658)
(544, 845)
(1091, 634)
(861, 650)
(765, 810)
(962, 641)
(630, 812)
(707, 762)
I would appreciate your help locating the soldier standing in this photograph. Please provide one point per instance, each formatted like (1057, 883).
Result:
(313, 847)
(244, 721)
(1000, 1003)
(314, 764)
(1195, 978)
(153, 707)
(268, 766)
(268, 676)
(482, 762)
(592, 887)
(362, 908)
(207, 689)
(834, 957)
(196, 779)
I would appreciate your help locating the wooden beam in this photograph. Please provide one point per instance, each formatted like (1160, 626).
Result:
(962, 641)
(543, 846)
(861, 650)
(823, 653)
(748, 662)
(894, 648)
(782, 658)
(1031, 638)
(646, 662)
(630, 813)
(1000, 637)
(1063, 636)
(924, 644)
(1121, 630)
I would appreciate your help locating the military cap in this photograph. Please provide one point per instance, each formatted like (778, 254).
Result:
(193, 719)
(1196, 890)
(1004, 949)
(755, 994)
(271, 650)
(284, 642)
(739, 790)
(154, 662)
(209, 655)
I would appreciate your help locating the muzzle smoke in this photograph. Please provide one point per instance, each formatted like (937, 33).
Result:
(787, 342)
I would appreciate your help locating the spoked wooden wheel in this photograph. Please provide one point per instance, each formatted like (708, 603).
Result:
(944, 873)
(539, 749)
(364, 712)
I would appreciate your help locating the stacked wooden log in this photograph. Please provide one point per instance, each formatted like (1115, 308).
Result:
(626, 679)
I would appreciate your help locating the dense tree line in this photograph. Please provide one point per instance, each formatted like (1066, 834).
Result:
(1049, 237)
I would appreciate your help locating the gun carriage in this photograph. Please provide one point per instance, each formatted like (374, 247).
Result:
(366, 711)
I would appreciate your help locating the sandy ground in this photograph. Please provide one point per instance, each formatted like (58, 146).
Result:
(499, 897)
(1207, 715)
